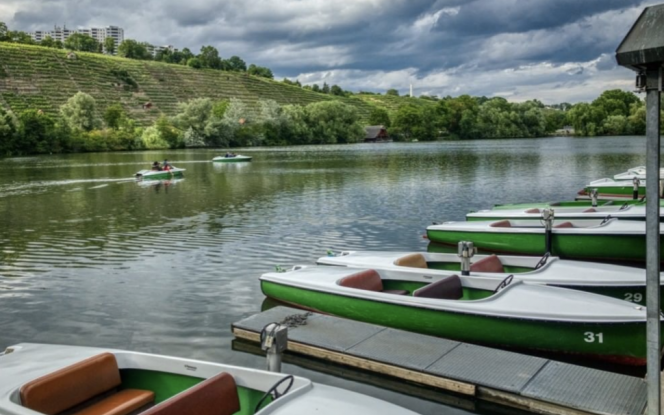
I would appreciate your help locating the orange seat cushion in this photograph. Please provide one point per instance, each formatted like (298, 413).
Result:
(412, 261)
(214, 396)
(489, 264)
(365, 280)
(122, 403)
(72, 385)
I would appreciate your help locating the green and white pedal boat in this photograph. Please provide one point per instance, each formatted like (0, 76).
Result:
(611, 187)
(625, 283)
(50, 379)
(639, 172)
(622, 212)
(471, 309)
(232, 159)
(584, 202)
(609, 240)
(160, 174)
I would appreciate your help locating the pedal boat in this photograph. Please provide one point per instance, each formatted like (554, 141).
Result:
(53, 379)
(580, 202)
(232, 159)
(610, 240)
(508, 313)
(639, 172)
(611, 187)
(160, 174)
(625, 283)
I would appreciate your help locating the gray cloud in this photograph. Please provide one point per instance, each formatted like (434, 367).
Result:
(512, 48)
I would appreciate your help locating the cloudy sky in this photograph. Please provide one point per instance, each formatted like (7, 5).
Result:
(552, 50)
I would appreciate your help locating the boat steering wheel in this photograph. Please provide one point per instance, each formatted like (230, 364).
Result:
(274, 392)
(504, 283)
(543, 260)
(623, 207)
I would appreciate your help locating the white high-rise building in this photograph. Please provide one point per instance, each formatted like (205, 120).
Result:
(98, 33)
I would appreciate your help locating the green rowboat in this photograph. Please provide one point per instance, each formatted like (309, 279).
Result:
(609, 240)
(173, 173)
(571, 203)
(471, 309)
(231, 159)
(622, 212)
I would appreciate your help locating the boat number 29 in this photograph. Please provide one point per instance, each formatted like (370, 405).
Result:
(591, 337)
(634, 297)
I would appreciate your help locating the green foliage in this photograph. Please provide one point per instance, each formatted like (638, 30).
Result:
(3, 31)
(261, 71)
(325, 89)
(114, 116)
(81, 42)
(336, 90)
(19, 37)
(36, 134)
(132, 49)
(125, 78)
(234, 63)
(380, 116)
(153, 140)
(413, 123)
(48, 42)
(614, 112)
(8, 131)
(168, 132)
(209, 58)
(393, 92)
(333, 122)
(79, 112)
(194, 63)
(109, 46)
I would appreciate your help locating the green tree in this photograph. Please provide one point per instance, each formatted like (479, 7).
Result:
(48, 42)
(79, 112)
(325, 89)
(36, 134)
(132, 49)
(234, 63)
(81, 42)
(315, 88)
(336, 90)
(194, 63)
(8, 132)
(3, 31)
(407, 122)
(379, 116)
(209, 58)
(114, 116)
(109, 46)
(169, 133)
(19, 37)
(332, 122)
(152, 139)
(185, 55)
(393, 92)
(260, 71)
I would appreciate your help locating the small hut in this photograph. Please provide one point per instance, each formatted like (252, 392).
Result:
(375, 133)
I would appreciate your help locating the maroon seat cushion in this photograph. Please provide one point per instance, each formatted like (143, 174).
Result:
(501, 224)
(489, 264)
(590, 210)
(364, 280)
(214, 396)
(533, 210)
(448, 288)
(564, 225)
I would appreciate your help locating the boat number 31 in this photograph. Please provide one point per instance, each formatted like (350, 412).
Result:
(591, 337)
(634, 297)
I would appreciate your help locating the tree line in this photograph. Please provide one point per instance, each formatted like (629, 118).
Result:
(207, 58)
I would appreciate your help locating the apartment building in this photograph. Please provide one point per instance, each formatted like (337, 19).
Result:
(98, 33)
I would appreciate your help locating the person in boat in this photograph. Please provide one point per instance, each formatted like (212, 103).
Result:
(156, 166)
(166, 165)
(227, 155)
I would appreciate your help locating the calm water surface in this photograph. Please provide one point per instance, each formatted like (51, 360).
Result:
(88, 256)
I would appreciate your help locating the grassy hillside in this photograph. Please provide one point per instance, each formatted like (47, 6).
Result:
(44, 78)
(391, 102)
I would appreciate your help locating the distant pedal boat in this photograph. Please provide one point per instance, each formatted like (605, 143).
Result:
(233, 159)
(639, 172)
(508, 314)
(618, 211)
(580, 202)
(609, 240)
(40, 378)
(625, 283)
(614, 187)
(160, 174)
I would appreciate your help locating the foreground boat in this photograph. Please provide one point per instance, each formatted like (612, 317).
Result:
(580, 202)
(625, 283)
(614, 187)
(472, 309)
(623, 212)
(609, 240)
(231, 159)
(160, 174)
(38, 378)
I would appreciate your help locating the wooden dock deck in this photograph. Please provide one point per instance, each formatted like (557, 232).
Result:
(526, 382)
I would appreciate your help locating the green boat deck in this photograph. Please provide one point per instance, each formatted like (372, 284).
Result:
(520, 381)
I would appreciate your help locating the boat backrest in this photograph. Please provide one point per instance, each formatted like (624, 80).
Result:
(215, 396)
(449, 288)
(501, 224)
(79, 383)
(365, 280)
(590, 210)
(412, 261)
(533, 210)
(489, 264)
(564, 225)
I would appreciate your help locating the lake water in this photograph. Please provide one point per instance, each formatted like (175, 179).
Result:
(88, 256)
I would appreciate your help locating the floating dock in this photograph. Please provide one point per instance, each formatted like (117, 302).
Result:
(525, 382)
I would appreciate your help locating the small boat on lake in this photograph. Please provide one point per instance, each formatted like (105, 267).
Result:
(475, 309)
(160, 174)
(625, 283)
(609, 240)
(236, 158)
(585, 202)
(639, 172)
(623, 212)
(52, 379)
(614, 187)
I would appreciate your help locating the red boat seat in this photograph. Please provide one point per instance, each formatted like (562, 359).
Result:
(89, 387)
(368, 280)
(590, 210)
(489, 264)
(412, 261)
(564, 225)
(501, 224)
(448, 288)
(533, 210)
(215, 396)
